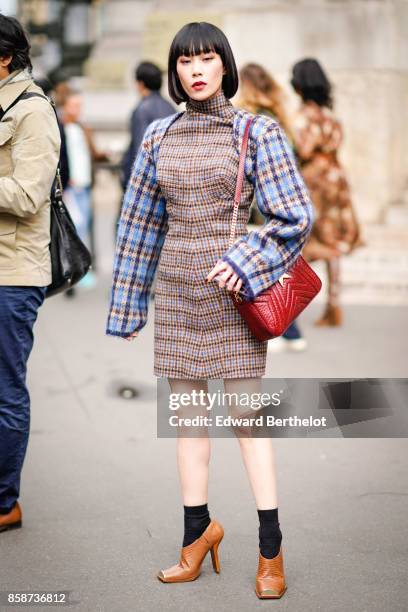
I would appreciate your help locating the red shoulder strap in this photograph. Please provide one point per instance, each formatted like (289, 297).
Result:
(240, 178)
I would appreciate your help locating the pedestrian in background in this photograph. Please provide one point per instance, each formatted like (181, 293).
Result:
(151, 106)
(61, 87)
(60, 90)
(48, 89)
(81, 153)
(260, 93)
(318, 137)
(29, 153)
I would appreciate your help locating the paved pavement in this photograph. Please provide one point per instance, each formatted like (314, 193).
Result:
(100, 492)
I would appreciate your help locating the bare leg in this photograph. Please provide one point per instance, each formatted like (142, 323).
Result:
(332, 314)
(257, 453)
(193, 454)
(258, 457)
(333, 269)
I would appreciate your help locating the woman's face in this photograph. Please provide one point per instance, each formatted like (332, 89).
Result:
(205, 68)
(72, 108)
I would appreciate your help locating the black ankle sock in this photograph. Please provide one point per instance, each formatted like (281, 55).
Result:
(196, 521)
(270, 535)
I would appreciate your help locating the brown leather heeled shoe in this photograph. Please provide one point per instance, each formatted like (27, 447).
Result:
(270, 577)
(192, 556)
(12, 520)
(332, 317)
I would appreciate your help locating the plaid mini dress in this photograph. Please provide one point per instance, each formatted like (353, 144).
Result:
(175, 221)
(198, 331)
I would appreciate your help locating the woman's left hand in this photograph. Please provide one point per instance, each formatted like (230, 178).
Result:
(226, 276)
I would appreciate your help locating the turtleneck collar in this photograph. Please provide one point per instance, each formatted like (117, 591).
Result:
(218, 106)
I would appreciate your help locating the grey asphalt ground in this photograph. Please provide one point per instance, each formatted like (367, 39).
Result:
(100, 493)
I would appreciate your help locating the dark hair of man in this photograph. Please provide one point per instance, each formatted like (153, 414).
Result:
(311, 82)
(57, 76)
(193, 39)
(150, 75)
(14, 43)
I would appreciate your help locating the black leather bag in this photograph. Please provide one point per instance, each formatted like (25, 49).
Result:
(70, 258)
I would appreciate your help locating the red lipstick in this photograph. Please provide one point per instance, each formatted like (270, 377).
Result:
(199, 85)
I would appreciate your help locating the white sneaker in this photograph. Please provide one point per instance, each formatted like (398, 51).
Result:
(88, 281)
(297, 344)
(280, 344)
(276, 345)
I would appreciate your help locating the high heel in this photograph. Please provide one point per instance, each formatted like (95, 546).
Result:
(215, 558)
(270, 578)
(192, 556)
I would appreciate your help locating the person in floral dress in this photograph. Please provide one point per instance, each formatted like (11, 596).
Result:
(318, 136)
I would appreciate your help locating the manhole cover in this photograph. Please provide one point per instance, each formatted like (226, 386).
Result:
(128, 392)
(130, 389)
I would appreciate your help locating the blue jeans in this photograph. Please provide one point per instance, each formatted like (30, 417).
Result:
(293, 332)
(78, 202)
(18, 312)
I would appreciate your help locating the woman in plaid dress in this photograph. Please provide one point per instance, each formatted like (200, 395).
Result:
(178, 207)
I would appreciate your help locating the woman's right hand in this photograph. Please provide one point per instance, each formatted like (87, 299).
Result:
(132, 336)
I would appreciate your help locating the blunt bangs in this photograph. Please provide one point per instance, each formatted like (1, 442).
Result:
(193, 39)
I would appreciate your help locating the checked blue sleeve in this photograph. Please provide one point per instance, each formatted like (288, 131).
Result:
(141, 233)
(262, 256)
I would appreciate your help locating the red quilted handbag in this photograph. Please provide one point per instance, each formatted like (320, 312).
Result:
(272, 311)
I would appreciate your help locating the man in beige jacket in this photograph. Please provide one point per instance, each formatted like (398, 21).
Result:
(29, 153)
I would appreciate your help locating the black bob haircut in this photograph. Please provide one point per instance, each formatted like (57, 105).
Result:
(195, 38)
(150, 75)
(14, 43)
(311, 82)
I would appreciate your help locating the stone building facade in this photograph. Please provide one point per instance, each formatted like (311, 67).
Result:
(362, 44)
